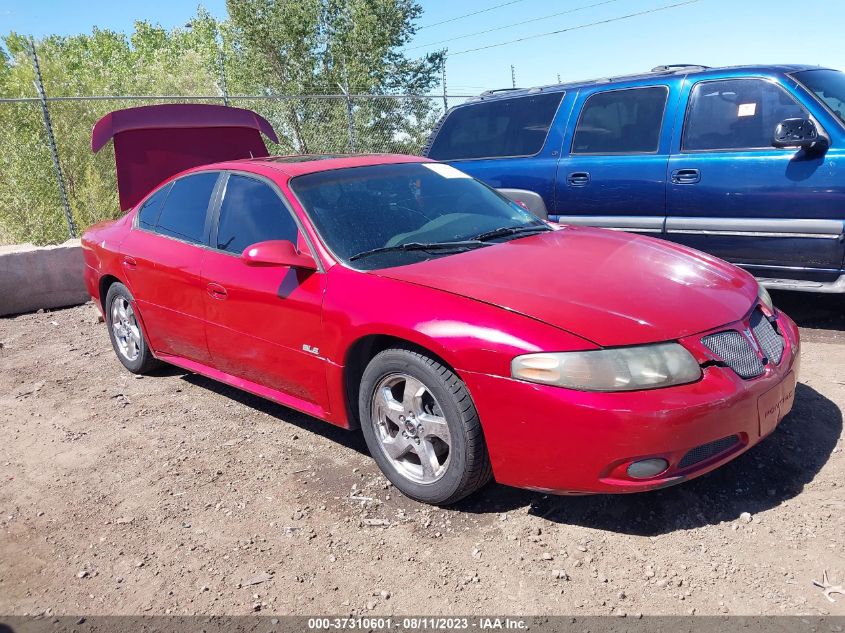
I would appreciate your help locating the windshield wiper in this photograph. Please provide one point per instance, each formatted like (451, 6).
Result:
(511, 230)
(420, 246)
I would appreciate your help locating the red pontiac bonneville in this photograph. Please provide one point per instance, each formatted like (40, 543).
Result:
(467, 338)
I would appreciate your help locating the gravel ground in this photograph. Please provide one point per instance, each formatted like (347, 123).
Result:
(174, 494)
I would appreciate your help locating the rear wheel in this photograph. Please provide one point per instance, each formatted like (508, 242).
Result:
(422, 428)
(125, 332)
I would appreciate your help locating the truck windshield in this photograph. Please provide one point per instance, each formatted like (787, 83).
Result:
(828, 86)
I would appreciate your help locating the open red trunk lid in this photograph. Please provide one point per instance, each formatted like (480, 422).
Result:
(151, 143)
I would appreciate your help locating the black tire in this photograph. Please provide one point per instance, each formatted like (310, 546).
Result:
(468, 467)
(144, 362)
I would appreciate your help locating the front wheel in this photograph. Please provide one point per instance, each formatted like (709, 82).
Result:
(422, 428)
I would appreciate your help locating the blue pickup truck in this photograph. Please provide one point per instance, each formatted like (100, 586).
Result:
(746, 163)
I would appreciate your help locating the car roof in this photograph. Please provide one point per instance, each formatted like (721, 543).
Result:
(672, 70)
(295, 165)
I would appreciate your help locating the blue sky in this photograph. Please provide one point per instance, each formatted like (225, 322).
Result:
(710, 32)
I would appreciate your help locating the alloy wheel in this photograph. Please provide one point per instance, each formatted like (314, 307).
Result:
(124, 325)
(410, 428)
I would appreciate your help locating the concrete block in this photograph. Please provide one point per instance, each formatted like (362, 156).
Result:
(33, 277)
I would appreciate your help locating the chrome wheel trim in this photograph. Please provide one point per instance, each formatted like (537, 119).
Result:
(410, 428)
(124, 325)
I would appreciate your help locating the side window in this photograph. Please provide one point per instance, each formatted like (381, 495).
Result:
(498, 128)
(252, 212)
(621, 122)
(736, 114)
(184, 211)
(148, 213)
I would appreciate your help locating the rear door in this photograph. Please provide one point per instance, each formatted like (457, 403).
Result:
(162, 257)
(777, 212)
(613, 169)
(263, 322)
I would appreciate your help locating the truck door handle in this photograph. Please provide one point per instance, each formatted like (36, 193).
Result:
(129, 262)
(686, 176)
(216, 291)
(578, 179)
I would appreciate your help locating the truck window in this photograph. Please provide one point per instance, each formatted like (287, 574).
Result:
(494, 129)
(828, 86)
(621, 122)
(736, 114)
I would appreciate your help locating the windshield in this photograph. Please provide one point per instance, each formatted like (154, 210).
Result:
(399, 210)
(828, 86)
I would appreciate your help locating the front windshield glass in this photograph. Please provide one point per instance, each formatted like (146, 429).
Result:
(400, 210)
(828, 86)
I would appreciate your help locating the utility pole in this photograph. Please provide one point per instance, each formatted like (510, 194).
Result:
(445, 99)
(350, 120)
(513, 76)
(51, 140)
(218, 40)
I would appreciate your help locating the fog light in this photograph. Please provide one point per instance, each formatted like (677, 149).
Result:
(646, 468)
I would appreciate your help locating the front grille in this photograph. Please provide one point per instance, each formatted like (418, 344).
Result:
(739, 352)
(770, 341)
(706, 451)
(736, 352)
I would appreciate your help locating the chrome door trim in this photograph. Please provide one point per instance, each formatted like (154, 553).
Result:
(757, 227)
(808, 269)
(631, 223)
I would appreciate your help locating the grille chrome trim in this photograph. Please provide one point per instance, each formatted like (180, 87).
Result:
(706, 451)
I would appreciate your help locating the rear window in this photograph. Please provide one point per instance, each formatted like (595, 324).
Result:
(148, 213)
(184, 211)
(621, 122)
(504, 127)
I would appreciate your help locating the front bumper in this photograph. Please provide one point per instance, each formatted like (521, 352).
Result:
(572, 442)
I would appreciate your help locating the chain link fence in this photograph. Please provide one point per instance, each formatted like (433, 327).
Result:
(32, 208)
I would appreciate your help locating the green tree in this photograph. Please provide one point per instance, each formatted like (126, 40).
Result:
(294, 47)
(273, 48)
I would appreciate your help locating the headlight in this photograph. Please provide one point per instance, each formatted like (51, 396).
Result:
(765, 298)
(619, 369)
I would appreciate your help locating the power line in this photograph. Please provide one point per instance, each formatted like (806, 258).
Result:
(510, 26)
(575, 28)
(467, 15)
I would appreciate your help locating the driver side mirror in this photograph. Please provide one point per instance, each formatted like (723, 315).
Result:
(799, 133)
(277, 253)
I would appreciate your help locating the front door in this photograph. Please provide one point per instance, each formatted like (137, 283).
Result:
(614, 174)
(777, 212)
(263, 322)
(161, 258)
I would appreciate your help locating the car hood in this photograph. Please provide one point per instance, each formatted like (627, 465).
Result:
(609, 287)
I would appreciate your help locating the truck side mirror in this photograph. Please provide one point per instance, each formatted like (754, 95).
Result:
(799, 133)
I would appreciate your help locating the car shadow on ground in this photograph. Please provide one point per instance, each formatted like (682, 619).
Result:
(770, 473)
(353, 440)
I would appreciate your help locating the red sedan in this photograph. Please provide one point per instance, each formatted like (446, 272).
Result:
(465, 337)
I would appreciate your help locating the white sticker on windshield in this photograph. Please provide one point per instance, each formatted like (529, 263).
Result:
(747, 109)
(447, 171)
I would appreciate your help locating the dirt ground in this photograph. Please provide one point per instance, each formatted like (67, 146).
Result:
(174, 494)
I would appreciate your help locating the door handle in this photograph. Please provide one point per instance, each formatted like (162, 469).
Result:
(686, 176)
(578, 179)
(129, 262)
(216, 291)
